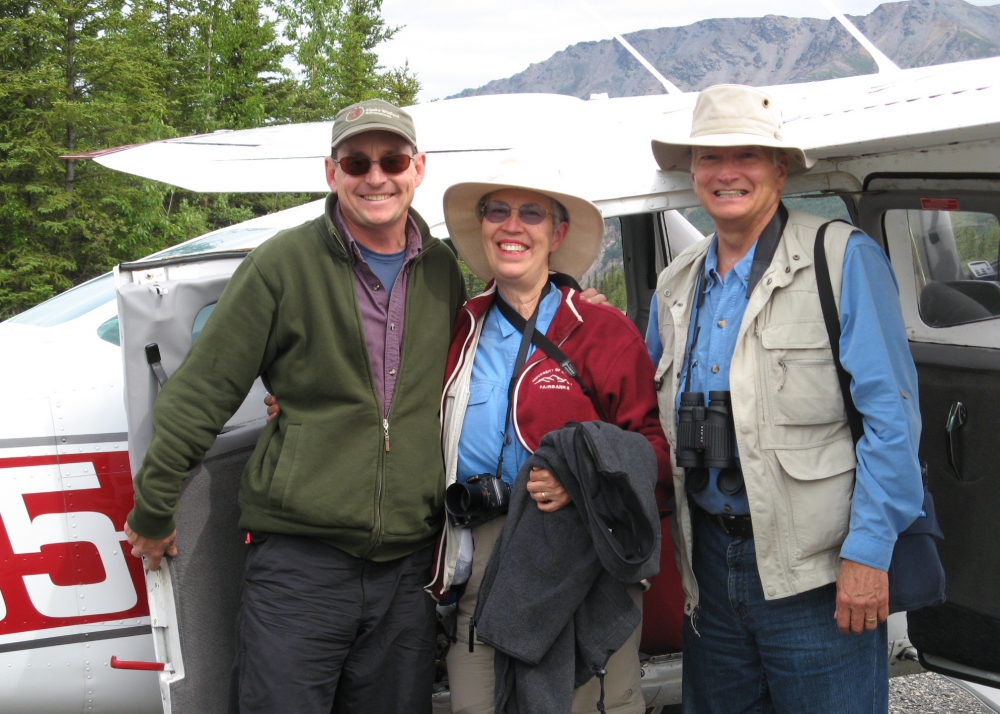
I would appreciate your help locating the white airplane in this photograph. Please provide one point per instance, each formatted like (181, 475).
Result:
(910, 156)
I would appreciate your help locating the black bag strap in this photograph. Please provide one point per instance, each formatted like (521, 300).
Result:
(545, 345)
(832, 319)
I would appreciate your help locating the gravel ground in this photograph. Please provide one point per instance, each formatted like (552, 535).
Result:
(931, 694)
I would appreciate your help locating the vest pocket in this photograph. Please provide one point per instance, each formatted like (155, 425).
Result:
(801, 378)
(818, 482)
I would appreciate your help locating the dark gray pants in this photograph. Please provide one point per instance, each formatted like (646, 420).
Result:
(322, 631)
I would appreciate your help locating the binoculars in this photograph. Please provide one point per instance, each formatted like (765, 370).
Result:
(705, 441)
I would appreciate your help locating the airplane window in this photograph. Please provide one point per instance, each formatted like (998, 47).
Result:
(830, 207)
(71, 304)
(608, 272)
(109, 332)
(955, 257)
(200, 320)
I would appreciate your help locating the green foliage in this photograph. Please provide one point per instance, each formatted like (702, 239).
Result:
(612, 285)
(335, 42)
(977, 237)
(473, 284)
(84, 75)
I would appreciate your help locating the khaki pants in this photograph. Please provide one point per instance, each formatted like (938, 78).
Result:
(470, 674)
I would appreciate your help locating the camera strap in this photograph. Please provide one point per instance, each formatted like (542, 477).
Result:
(700, 292)
(526, 328)
(763, 254)
(548, 347)
(767, 244)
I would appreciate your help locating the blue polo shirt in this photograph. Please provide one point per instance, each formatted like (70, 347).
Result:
(483, 430)
(873, 349)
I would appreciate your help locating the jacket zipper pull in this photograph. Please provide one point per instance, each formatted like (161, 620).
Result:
(385, 427)
(472, 634)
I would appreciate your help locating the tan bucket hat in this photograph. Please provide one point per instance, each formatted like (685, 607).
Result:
(583, 240)
(731, 115)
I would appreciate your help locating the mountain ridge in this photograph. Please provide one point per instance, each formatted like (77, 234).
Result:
(762, 51)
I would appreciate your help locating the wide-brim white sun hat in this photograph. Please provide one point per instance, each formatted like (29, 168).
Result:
(579, 248)
(731, 115)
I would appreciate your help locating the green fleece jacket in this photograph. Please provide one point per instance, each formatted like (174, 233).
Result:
(290, 314)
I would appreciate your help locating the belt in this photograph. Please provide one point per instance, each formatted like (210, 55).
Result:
(736, 526)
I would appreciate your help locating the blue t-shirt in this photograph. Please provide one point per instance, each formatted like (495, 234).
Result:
(386, 266)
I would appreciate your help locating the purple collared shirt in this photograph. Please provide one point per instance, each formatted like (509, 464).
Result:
(382, 310)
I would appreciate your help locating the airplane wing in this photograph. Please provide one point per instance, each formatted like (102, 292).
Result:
(603, 144)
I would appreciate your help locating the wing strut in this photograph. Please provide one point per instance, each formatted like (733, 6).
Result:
(881, 60)
(667, 84)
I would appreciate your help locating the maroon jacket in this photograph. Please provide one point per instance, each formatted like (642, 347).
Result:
(611, 357)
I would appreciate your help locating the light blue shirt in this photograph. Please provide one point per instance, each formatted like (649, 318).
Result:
(483, 428)
(874, 350)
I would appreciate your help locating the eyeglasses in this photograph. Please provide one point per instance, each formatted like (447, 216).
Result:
(361, 165)
(499, 211)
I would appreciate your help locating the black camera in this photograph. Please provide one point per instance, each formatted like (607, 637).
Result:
(705, 441)
(480, 499)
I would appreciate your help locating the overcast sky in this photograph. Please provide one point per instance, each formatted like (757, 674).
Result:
(454, 44)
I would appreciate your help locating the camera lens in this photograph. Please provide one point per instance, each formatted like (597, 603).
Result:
(476, 501)
(461, 499)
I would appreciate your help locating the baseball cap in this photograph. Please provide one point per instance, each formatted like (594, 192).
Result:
(372, 115)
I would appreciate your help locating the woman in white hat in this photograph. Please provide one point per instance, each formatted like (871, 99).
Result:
(531, 244)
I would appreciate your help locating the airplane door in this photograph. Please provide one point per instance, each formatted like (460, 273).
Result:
(943, 238)
(194, 597)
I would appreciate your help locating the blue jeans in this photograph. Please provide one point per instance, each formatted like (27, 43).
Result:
(747, 654)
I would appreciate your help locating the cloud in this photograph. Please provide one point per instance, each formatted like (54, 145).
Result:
(455, 44)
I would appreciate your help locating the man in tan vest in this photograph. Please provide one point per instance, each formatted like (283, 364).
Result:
(785, 528)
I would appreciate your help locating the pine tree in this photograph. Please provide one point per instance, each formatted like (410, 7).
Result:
(335, 44)
(358, 74)
(72, 83)
(83, 75)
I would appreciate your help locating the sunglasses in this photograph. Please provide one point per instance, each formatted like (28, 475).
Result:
(499, 211)
(361, 165)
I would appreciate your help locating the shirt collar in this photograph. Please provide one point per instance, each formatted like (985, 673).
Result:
(507, 329)
(414, 242)
(742, 268)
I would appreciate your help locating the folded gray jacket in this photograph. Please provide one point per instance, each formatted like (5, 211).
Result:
(554, 601)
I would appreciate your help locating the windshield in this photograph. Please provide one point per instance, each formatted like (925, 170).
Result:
(220, 240)
(70, 304)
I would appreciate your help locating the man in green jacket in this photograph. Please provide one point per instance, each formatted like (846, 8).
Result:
(348, 319)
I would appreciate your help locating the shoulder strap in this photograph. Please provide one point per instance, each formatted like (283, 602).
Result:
(767, 245)
(832, 319)
(561, 280)
(549, 348)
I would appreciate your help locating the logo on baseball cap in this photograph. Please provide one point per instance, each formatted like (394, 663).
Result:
(372, 115)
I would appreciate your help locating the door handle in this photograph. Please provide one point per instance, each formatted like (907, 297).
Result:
(957, 416)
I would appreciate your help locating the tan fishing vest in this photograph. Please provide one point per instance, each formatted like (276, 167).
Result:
(795, 445)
